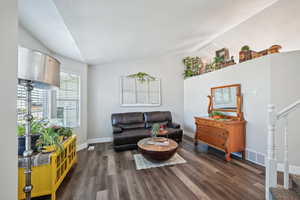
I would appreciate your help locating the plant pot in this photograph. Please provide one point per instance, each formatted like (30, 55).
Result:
(21, 143)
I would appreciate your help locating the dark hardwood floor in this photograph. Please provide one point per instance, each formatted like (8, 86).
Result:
(105, 174)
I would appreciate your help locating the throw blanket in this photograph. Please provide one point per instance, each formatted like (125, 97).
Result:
(36, 160)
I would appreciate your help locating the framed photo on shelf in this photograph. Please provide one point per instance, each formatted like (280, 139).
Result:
(223, 53)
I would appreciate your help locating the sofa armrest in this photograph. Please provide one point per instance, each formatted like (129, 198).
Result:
(117, 130)
(174, 125)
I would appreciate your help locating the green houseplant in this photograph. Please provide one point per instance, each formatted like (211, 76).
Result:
(155, 129)
(36, 127)
(142, 77)
(217, 115)
(65, 131)
(245, 48)
(193, 65)
(215, 64)
(49, 140)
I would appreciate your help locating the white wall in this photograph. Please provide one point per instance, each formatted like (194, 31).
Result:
(268, 80)
(8, 82)
(28, 41)
(104, 89)
(254, 79)
(67, 65)
(285, 84)
(276, 24)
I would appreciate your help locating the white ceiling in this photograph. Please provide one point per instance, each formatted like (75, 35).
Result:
(99, 31)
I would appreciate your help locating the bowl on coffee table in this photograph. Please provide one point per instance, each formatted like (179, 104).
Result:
(157, 149)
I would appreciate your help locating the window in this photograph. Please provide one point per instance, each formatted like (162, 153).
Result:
(40, 103)
(136, 93)
(68, 100)
(63, 105)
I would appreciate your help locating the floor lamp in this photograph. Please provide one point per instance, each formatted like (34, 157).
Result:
(35, 70)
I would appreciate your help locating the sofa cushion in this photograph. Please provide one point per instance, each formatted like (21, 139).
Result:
(131, 136)
(150, 124)
(128, 120)
(131, 126)
(163, 117)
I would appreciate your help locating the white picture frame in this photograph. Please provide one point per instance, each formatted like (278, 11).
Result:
(134, 93)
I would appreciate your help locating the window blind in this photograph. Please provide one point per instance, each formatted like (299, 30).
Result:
(68, 100)
(137, 93)
(40, 102)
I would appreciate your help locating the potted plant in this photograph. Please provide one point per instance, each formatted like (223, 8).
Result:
(63, 132)
(36, 127)
(49, 141)
(155, 130)
(245, 53)
(215, 64)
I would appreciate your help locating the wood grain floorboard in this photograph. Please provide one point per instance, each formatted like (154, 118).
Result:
(106, 174)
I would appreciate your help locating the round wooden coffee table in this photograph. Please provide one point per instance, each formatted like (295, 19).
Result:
(157, 148)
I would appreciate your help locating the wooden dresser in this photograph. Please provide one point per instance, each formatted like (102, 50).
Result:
(225, 135)
(225, 128)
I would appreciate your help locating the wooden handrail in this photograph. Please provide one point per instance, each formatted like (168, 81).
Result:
(284, 112)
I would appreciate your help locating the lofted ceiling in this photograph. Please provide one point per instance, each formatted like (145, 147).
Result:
(99, 31)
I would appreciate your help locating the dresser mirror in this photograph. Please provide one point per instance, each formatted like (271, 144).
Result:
(227, 100)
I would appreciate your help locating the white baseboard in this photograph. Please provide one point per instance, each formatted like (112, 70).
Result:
(81, 146)
(190, 134)
(100, 140)
(93, 141)
(293, 169)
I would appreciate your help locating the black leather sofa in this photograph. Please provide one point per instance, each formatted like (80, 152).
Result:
(129, 128)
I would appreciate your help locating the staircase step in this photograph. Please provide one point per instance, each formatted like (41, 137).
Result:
(280, 193)
(296, 182)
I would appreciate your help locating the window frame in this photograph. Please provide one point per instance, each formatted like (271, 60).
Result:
(122, 104)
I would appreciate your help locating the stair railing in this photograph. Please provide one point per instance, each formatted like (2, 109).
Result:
(271, 164)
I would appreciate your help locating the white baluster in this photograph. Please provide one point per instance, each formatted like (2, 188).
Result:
(286, 151)
(271, 164)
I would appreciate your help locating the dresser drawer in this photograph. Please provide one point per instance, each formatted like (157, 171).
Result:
(211, 123)
(212, 135)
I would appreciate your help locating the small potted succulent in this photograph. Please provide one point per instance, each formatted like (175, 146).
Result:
(245, 53)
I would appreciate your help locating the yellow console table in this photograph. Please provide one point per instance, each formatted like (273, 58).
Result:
(47, 178)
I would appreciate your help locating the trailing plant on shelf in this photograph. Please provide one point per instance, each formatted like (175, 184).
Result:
(193, 66)
(215, 64)
(155, 129)
(142, 77)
